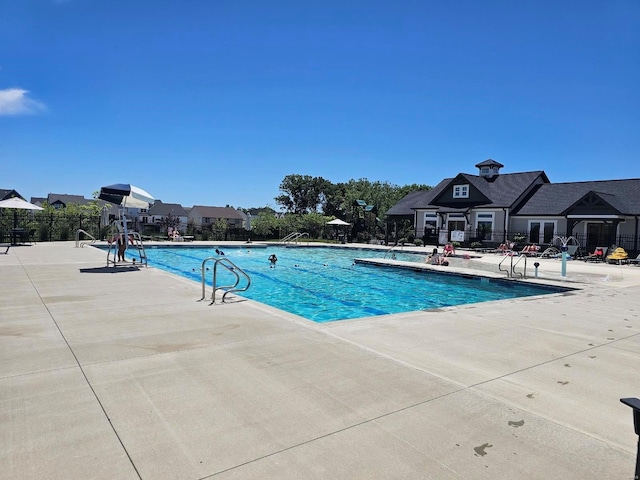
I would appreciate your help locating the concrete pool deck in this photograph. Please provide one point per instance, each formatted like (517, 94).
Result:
(122, 373)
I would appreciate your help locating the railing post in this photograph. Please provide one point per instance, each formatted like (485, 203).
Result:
(634, 403)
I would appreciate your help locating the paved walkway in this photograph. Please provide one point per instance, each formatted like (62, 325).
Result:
(122, 374)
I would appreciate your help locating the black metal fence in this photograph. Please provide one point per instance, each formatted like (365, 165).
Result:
(587, 242)
(25, 226)
(18, 226)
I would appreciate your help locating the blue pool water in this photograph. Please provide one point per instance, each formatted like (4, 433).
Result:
(323, 284)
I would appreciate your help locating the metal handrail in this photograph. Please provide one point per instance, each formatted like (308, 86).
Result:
(522, 274)
(78, 244)
(287, 237)
(231, 267)
(508, 272)
(293, 237)
(512, 266)
(135, 240)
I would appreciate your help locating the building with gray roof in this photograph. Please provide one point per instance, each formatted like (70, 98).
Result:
(494, 207)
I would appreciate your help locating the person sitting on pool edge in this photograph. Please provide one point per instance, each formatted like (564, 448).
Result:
(449, 249)
(436, 259)
(273, 259)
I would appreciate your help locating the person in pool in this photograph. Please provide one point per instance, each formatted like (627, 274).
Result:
(273, 259)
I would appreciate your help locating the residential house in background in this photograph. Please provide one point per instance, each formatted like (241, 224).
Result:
(9, 193)
(494, 207)
(468, 206)
(202, 216)
(60, 200)
(246, 219)
(160, 211)
(598, 213)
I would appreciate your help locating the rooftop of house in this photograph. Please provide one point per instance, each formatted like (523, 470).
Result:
(557, 198)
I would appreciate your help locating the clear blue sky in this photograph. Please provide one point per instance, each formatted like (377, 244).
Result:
(214, 102)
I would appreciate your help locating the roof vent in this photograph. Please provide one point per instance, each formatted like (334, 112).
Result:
(489, 169)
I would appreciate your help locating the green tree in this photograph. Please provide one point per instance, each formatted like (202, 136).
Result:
(302, 193)
(335, 203)
(265, 225)
(289, 223)
(313, 224)
(219, 228)
(169, 220)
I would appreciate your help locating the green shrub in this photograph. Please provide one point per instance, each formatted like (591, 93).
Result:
(418, 242)
(43, 232)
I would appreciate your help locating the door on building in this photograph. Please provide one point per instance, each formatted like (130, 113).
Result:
(455, 225)
(599, 235)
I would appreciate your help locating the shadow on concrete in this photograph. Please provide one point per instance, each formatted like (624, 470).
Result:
(109, 269)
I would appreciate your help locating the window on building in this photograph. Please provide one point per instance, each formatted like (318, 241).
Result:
(430, 223)
(541, 231)
(461, 191)
(484, 226)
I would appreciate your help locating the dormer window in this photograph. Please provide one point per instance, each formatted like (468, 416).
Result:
(461, 191)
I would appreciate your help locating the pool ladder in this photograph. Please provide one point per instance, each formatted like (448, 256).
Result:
(83, 243)
(293, 238)
(511, 271)
(229, 266)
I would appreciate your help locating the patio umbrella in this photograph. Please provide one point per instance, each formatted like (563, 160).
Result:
(126, 195)
(18, 204)
(339, 223)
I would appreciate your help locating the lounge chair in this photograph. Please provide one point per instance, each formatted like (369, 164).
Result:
(572, 252)
(550, 252)
(575, 251)
(531, 250)
(3, 245)
(598, 255)
(634, 261)
(506, 248)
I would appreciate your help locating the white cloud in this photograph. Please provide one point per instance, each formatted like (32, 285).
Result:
(14, 101)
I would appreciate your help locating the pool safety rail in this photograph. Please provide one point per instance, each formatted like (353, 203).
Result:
(80, 244)
(293, 238)
(227, 264)
(511, 271)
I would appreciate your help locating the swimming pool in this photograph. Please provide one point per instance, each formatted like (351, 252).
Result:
(323, 284)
